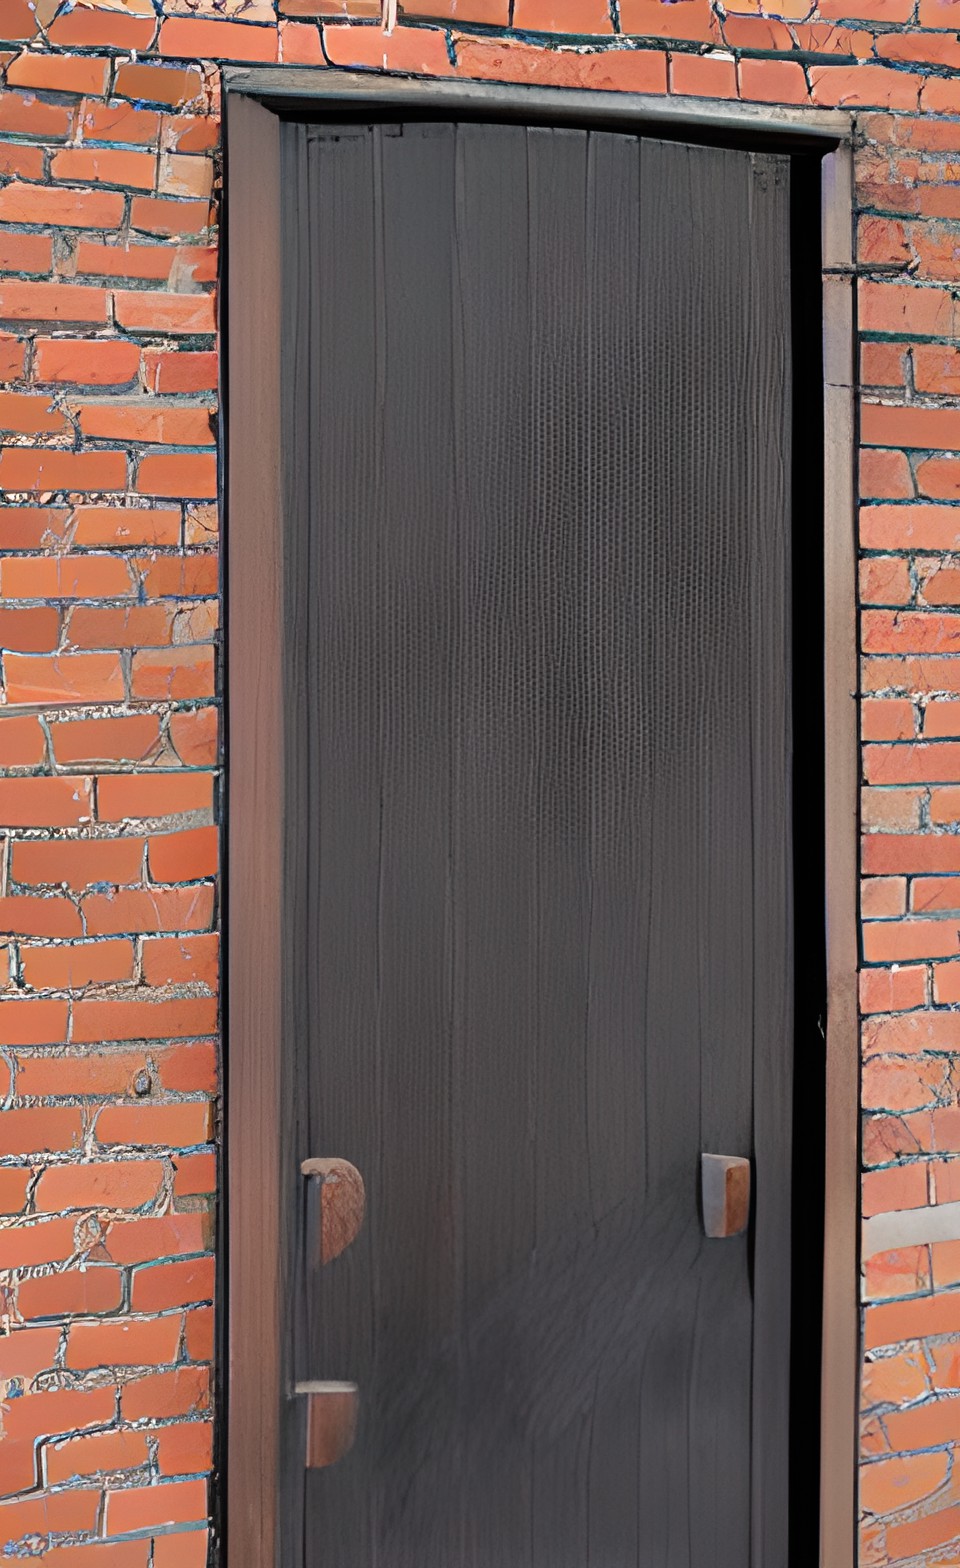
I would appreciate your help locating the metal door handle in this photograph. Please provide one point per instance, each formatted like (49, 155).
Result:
(336, 1204)
(725, 1194)
(331, 1421)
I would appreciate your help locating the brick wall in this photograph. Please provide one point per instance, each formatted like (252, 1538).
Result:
(109, 139)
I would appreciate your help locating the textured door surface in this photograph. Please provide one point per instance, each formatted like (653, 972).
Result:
(538, 933)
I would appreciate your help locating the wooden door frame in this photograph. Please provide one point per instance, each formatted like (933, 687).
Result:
(252, 1266)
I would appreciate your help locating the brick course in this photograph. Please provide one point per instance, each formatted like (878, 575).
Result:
(109, 183)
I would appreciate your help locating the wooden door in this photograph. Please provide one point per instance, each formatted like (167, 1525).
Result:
(538, 841)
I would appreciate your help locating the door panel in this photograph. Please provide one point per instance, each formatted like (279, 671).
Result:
(538, 937)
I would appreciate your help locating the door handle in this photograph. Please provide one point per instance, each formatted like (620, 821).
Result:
(331, 1421)
(335, 1206)
(336, 1203)
(725, 1194)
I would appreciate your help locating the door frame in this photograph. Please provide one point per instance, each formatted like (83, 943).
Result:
(251, 1262)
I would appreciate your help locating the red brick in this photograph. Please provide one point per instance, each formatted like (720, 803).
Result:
(76, 965)
(27, 1246)
(300, 41)
(106, 1071)
(162, 313)
(127, 526)
(22, 741)
(905, 631)
(199, 1326)
(159, 1286)
(566, 16)
(45, 802)
(117, 1184)
(61, 208)
(181, 960)
(29, 631)
(190, 1068)
(853, 86)
(168, 372)
(119, 122)
(90, 741)
(104, 166)
(908, 764)
(17, 20)
(177, 1126)
(702, 76)
(24, 469)
(898, 1187)
(150, 263)
(895, 941)
(60, 73)
(129, 626)
(906, 309)
(187, 856)
(144, 1240)
(194, 734)
(13, 1196)
(194, 1174)
(885, 476)
(29, 1350)
(12, 353)
(40, 1129)
(25, 163)
(76, 1292)
(894, 1484)
(32, 527)
(941, 720)
(61, 1410)
(939, 477)
(64, 302)
(25, 252)
(186, 1549)
(162, 1395)
(178, 674)
(186, 474)
(65, 577)
(24, 915)
(63, 678)
(87, 362)
(23, 114)
(33, 1020)
(884, 424)
(86, 28)
(143, 1020)
(121, 797)
(907, 1033)
(935, 894)
(105, 1453)
(888, 718)
(149, 910)
(493, 59)
(77, 863)
(150, 83)
(153, 1507)
(892, 990)
(946, 984)
(773, 81)
(885, 854)
(123, 1344)
(171, 425)
(186, 1448)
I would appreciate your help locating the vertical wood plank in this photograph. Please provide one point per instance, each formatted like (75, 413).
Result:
(254, 968)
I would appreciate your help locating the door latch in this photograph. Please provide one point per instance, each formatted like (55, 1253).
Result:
(724, 1194)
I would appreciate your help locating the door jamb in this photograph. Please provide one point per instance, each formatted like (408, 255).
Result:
(251, 1260)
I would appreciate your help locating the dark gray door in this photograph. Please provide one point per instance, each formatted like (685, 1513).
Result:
(538, 942)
